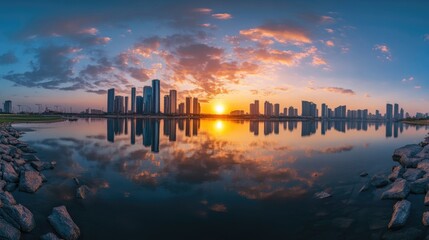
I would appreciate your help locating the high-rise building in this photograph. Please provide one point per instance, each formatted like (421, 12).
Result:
(167, 104)
(309, 109)
(182, 108)
(389, 111)
(139, 104)
(252, 109)
(111, 100)
(285, 111)
(195, 106)
(257, 107)
(173, 101)
(7, 106)
(268, 108)
(324, 110)
(396, 111)
(147, 99)
(133, 100)
(119, 105)
(291, 112)
(276, 109)
(156, 98)
(188, 105)
(401, 115)
(126, 105)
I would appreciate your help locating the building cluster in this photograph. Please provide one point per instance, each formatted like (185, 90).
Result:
(7, 107)
(150, 103)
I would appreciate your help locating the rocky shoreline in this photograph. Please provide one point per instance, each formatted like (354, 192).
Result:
(21, 169)
(410, 176)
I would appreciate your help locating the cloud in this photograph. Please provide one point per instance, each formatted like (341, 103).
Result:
(317, 61)
(367, 95)
(329, 43)
(426, 37)
(218, 208)
(335, 90)
(8, 58)
(326, 19)
(284, 89)
(203, 10)
(384, 52)
(222, 16)
(417, 87)
(279, 32)
(409, 79)
(329, 30)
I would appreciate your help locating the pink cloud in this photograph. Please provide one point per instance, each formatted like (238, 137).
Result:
(279, 32)
(222, 16)
(329, 43)
(384, 50)
(317, 61)
(203, 10)
(329, 30)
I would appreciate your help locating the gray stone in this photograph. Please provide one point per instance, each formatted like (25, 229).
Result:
(7, 199)
(40, 166)
(412, 174)
(10, 187)
(403, 234)
(424, 165)
(424, 153)
(379, 181)
(363, 174)
(9, 173)
(83, 191)
(365, 187)
(409, 162)
(63, 224)
(397, 172)
(401, 212)
(7, 158)
(425, 219)
(50, 236)
(30, 181)
(322, 195)
(20, 162)
(398, 190)
(2, 185)
(29, 157)
(9, 232)
(419, 186)
(18, 216)
(407, 150)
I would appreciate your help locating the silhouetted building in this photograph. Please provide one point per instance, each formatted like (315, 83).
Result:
(324, 110)
(195, 105)
(252, 109)
(7, 106)
(166, 104)
(309, 109)
(119, 107)
(173, 102)
(133, 100)
(276, 109)
(126, 105)
(139, 104)
(188, 105)
(401, 114)
(111, 100)
(147, 99)
(256, 107)
(389, 112)
(268, 108)
(181, 108)
(396, 111)
(156, 98)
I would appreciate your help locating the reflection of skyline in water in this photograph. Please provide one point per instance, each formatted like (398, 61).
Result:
(149, 129)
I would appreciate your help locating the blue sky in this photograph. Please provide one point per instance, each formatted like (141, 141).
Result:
(362, 54)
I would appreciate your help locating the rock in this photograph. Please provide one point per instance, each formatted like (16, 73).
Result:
(412, 174)
(9, 173)
(7, 231)
(83, 191)
(409, 162)
(403, 234)
(399, 190)
(365, 187)
(29, 157)
(7, 199)
(424, 153)
(419, 186)
(40, 166)
(76, 180)
(424, 165)
(49, 236)
(2, 185)
(20, 162)
(322, 195)
(379, 181)
(10, 187)
(397, 172)
(401, 212)
(18, 216)
(425, 219)
(30, 181)
(7, 158)
(63, 224)
(363, 174)
(407, 150)
(427, 199)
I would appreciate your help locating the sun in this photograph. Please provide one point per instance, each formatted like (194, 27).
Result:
(219, 109)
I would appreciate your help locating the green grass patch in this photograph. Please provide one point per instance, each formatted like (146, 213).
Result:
(21, 118)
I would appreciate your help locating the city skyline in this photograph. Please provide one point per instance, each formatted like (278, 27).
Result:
(229, 54)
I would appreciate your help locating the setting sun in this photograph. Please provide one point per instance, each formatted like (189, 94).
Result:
(219, 109)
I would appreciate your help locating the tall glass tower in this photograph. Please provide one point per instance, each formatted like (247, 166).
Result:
(156, 99)
(111, 100)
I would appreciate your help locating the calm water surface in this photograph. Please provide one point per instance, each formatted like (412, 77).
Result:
(217, 179)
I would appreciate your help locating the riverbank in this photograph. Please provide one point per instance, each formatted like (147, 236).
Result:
(22, 170)
(417, 121)
(22, 118)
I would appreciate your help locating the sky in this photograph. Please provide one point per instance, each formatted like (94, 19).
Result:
(360, 53)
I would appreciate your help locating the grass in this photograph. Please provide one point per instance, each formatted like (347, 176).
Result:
(22, 118)
(417, 121)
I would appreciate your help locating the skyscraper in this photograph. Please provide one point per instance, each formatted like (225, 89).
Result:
(268, 108)
(389, 111)
(401, 115)
(252, 109)
(166, 104)
(111, 100)
(257, 107)
(7, 106)
(147, 99)
(126, 105)
(276, 109)
(182, 108)
(119, 105)
(133, 100)
(188, 105)
(396, 111)
(308, 109)
(156, 98)
(195, 106)
(324, 110)
(139, 105)
(173, 101)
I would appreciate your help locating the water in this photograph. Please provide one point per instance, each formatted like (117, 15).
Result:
(217, 179)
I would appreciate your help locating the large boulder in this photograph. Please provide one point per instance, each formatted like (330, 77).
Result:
(397, 172)
(408, 151)
(7, 199)
(63, 224)
(425, 219)
(412, 174)
(40, 166)
(379, 181)
(409, 162)
(398, 190)
(30, 181)
(401, 212)
(8, 232)
(49, 236)
(424, 165)
(419, 186)
(424, 153)
(3, 183)
(9, 173)
(19, 216)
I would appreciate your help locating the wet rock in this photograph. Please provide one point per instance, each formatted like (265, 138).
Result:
(379, 181)
(365, 187)
(18, 216)
(10, 187)
(76, 180)
(2, 185)
(425, 219)
(419, 186)
(7, 158)
(409, 162)
(9, 173)
(401, 212)
(407, 150)
(20, 162)
(397, 172)
(412, 174)
(7, 231)
(30, 181)
(83, 191)
(424, 153)
(63, 224)
(399, 190)
(40, 166)
(29, 157)
(7, 199)
(322, 195)
(363, 174)
(49, 236)
(424, 165)
(427, 199)
(403, 234)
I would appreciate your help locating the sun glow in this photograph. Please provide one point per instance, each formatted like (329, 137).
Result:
(219, 109)
(219, 125)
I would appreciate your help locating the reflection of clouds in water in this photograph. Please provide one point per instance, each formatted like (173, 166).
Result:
(218, 208)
